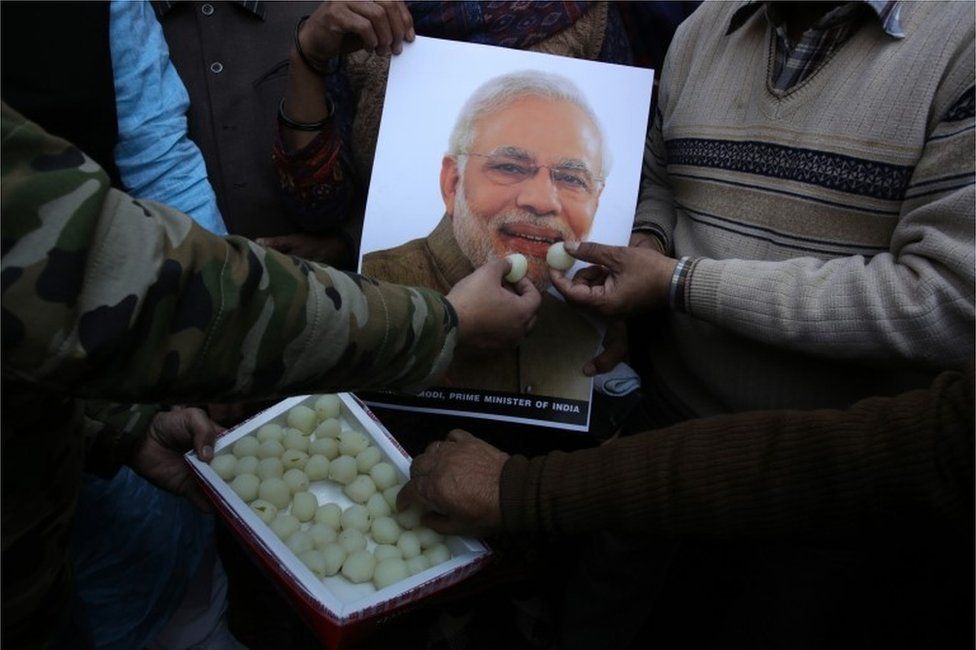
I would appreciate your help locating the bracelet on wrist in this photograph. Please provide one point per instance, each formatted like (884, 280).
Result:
(289, 123)
(679, 280)
(328, 68)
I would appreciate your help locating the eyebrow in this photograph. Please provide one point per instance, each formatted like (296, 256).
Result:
(521, 154)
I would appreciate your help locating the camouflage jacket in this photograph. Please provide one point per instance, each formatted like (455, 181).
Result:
(107, 297)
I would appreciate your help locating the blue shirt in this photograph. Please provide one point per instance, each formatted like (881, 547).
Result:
(155, 156)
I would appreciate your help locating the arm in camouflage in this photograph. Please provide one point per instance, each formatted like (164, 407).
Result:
(105, 296)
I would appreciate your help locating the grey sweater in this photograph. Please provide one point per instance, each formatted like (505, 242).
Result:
(835, 223)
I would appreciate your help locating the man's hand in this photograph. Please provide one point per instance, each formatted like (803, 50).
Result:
(159, 458)
(624, 279)
(490, 315)
(343, 26)
(457, 482)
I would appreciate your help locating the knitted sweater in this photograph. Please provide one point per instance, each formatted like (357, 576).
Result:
(835, 222)
(902, 463)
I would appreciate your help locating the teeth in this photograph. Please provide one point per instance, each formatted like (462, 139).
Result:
(544, 240)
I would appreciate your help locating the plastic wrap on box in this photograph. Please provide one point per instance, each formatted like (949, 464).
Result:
(337, 610)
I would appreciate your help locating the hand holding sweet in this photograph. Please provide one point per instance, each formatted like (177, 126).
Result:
(457, 482)
(623, 279)
(492, 314)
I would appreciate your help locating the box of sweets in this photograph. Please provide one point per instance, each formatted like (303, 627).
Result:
(310, 486)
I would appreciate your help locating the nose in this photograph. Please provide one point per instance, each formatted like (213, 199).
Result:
(539, 194)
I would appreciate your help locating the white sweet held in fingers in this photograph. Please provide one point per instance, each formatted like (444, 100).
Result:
(358, 567)
(558, 258)
(409, 518)
(224, 465)
(520, 266)
(389, 571)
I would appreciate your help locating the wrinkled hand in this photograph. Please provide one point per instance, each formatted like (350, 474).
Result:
(159, 459)
(329, 249)
(491, 316)
(343, 26)
(623, 280)
(457, 482)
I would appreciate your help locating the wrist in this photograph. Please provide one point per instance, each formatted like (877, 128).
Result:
(678, 285)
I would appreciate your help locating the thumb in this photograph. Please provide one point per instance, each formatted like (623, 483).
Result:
(498, 268)
(459, 435)
(595, 253)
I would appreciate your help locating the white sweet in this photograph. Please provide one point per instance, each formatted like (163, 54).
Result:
(270, 468)
(417, 564)
(352, 540)
(302, 418)
(330, 428)
(385, 531)
(304, 505)
(270, 449)
(246, 446)
(520, 265)
(330, 514)
(358, 567)
(246, 465)
(327, 406)
(361, 489)
(284, 526)
(264, 510)
(296, 480)
(275, 491)
(317, 467)
(299, 542)
(408, 545)
(386, 551)
(390, 494)
(367, 458)
(224, 465)
(294, 459)
(328, 447)
(334, 555)
(427, 537)
(322, 534)
(351, 442)
(314, 561)
(558, 258)
(409, 518)
(389, 571)
(269, 432)
(246, 486)
(355, 518)
(378, 507)
(295, 440)
(437, 553)
(343, 470)
(384, 475)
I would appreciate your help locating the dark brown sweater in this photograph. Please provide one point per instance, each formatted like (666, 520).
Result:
(901, 462)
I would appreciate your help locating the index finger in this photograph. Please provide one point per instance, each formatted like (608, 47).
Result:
(409, 495)
(587, 251)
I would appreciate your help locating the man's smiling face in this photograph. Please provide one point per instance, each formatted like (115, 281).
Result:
(531, 178)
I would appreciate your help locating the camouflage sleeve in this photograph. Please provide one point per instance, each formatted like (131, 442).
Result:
(111, 431)
(109, 297)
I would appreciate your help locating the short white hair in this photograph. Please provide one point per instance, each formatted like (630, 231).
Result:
(498, 92)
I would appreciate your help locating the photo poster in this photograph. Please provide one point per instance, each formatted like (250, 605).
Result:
(593, 160)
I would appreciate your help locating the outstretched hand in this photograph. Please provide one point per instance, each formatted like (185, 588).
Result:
(623, 280)
(493, 314)
(159, 457)
(457, 482)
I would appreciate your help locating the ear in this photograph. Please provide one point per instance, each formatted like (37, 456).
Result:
(449, 183)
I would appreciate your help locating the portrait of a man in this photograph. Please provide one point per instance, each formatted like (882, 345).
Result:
(525, 167)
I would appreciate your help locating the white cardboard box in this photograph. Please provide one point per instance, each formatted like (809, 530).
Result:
(334, 607)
